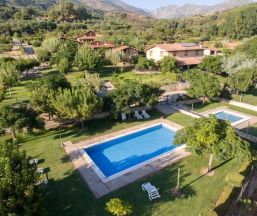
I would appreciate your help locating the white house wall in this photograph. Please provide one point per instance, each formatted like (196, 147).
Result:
(156, 54)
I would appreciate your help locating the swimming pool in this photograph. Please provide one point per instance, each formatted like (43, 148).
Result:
(119, 155)
(233, 118)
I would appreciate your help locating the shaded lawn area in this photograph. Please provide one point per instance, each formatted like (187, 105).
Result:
(249, 97)
(68, 195)
(20, 93)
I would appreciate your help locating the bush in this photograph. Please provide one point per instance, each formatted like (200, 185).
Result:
(5, 48)
(118, 207)
(2, 94)
(168, 64)
(145, 64)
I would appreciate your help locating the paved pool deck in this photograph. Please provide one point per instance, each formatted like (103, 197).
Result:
(251, 121)
(100, 188)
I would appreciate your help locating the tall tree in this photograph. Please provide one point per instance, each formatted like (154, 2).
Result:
(214, 137)
(9, 75)
(42, 89)
(132, 93)
(63, 66)
(249, 47)
(79, 103)
(17, 118)
(212, 64)
(242, 80)
(168, 64)
(239, 61)
(87, 58)
(203, 85)
(91, 81)
(18, 193)
(114, 57)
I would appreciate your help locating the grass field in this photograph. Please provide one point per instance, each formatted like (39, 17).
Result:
(68, 195)
(250, 97)
(20, 92)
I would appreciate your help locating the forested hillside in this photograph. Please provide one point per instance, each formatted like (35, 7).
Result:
(65, 18)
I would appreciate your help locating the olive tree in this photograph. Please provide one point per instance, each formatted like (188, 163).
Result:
(18, 193)
(215, 137)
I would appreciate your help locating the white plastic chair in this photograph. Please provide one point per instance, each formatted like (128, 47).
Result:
(153, 192)
(145, 114)
(138, 116)
(40, 170)
(123, 116)
(33, 161)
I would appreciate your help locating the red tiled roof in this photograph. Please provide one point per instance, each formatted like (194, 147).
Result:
(101, 44)
(121, 48)
(189, 61)
(85, 34)
(87, 37)
(169, 47)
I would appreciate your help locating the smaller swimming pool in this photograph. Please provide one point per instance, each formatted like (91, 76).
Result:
(228, 116)
(232, 117)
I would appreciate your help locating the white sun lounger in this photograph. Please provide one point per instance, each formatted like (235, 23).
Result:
(40, 170)
(138, 116)
(123, 116)
(43, 181)
(33, 161)
(145, 114)
(153, 192)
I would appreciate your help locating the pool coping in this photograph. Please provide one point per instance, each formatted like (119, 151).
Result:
(99, 172)
(100, 188)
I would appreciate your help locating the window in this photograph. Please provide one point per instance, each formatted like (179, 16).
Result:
(161, 53)
(186, 53)
(174, 53)
(150, 53)
(196, 52)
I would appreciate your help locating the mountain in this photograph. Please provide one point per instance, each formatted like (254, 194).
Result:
(176, 11)
(103, 5)
(113, 6)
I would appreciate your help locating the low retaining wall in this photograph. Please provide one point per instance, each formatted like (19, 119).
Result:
(181, 86)
(243, 105)
(189, 113)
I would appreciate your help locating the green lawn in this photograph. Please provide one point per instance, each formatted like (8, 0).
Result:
(200, 107)
(250, 97)
(19, 93)
(181, 119)
(67, 194)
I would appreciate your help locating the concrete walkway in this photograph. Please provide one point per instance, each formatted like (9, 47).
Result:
(94, 182)
(165, 109)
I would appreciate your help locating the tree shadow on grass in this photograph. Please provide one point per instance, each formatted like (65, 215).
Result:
(69, 195)
(100, 126)
(213, 169)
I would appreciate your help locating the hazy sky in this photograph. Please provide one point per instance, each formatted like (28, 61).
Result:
(152, 4)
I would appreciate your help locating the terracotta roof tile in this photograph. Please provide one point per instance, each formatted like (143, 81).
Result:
(121, 48)
(169, 47)
(189, 61)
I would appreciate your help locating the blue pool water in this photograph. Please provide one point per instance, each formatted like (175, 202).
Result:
(228, 116)
(119, 154)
